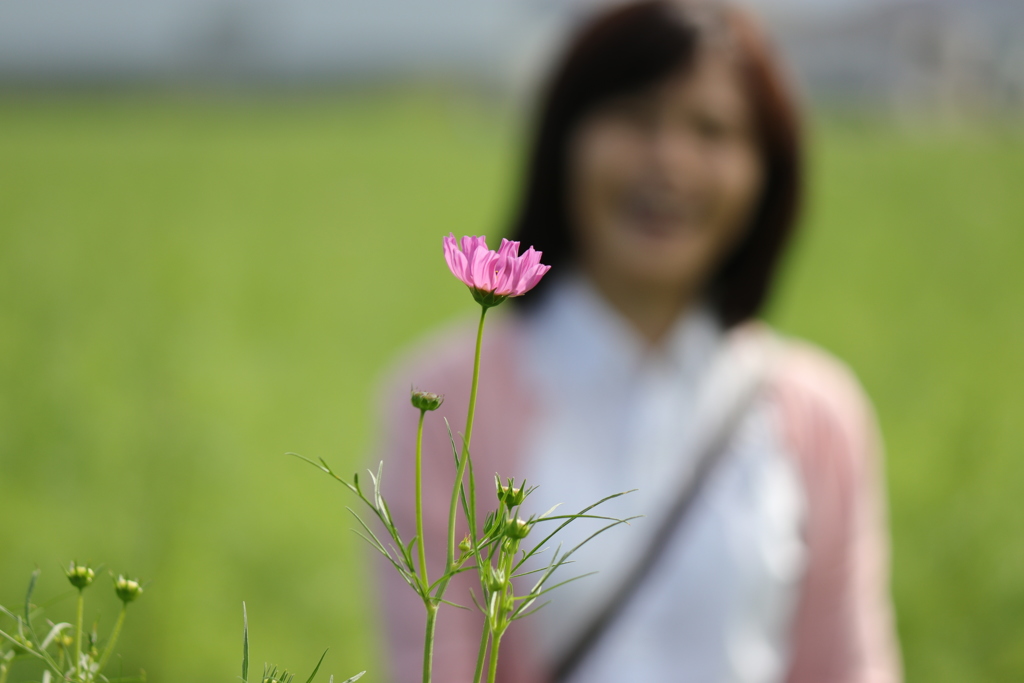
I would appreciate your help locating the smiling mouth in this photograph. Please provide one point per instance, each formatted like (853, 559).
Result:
(661, 218)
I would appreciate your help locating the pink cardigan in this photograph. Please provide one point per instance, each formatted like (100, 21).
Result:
(843, 631)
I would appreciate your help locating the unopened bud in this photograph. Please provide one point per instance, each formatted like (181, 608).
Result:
(127, 589)
(496, 581)
(79, 575)
(272, 675)
(424, 400)
(510, 495)
(466, 546)
(517, 529)
(21, 645)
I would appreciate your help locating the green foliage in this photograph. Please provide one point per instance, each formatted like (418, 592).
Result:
(192, 289)
(500, 558)
(194, 286)
(57, 647)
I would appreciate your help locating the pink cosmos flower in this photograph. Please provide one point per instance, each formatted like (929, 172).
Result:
(493, 275)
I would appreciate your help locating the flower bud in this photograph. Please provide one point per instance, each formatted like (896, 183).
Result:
(21, 645)
(496, 580)
(510, 495)
(271, 675)
(127, 589)
(517, 529)
(424, 400)
(79, 575)
(466, 546)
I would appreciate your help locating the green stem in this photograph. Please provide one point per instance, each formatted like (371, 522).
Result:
(480, 657)
(78, 634)
(419, 504)
(468, 434)
(428, 642)
(476, 380)
(493, 669)
(3, 673)
(113, 637)
(456, 490)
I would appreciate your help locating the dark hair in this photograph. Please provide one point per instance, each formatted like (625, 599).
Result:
(633, 47)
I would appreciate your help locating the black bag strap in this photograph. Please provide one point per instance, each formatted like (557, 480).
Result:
(712, 452)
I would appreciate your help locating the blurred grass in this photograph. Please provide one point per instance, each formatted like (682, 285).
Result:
(190, 287)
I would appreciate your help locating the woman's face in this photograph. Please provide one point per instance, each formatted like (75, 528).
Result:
(663, 182)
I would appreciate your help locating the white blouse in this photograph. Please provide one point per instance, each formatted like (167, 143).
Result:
(617, 415)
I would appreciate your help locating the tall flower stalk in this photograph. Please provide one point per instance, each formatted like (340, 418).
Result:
(127, 590)
(425, 402)
(492, 277)
(80, 576)
(468, 435)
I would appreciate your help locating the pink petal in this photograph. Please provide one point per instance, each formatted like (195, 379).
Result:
(521, 267)
(508, 248)
(531, 258)
(531, 278)
(504, 283)
(455, 258)
(504, 272)
(482, 268)
(471, 245)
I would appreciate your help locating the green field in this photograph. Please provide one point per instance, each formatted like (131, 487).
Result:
(190, 287)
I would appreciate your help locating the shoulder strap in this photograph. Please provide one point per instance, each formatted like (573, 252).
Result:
(711, 451)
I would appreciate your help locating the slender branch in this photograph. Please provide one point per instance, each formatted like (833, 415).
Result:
(467, 436)
(476, 380)
(442, 584)
(113, 637)
(419, 503)
(480, 657)
(493, 669)
(428, 642)
(78, 634)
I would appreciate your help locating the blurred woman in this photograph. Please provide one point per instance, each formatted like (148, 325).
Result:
(663, 186)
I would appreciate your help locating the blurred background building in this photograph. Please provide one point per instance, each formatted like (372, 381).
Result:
(950, 58)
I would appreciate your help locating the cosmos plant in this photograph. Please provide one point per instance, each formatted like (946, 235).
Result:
(495, 550)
